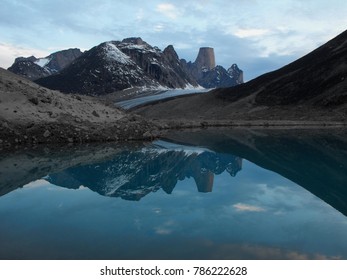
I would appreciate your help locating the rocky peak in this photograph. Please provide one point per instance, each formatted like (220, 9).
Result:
(28, 69)
(30, 58)
(170, 52)
(208, 75)
(235, 72)
(34, 68)
(206, 58)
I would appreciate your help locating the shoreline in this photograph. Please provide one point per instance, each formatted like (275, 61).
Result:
(20, 137)
(183, 124)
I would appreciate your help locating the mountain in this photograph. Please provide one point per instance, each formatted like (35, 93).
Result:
(208, 75)
(34, 68)
(31, 114)
(312, 88)
(117, 65)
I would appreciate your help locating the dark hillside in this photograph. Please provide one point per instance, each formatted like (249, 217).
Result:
(318, 78)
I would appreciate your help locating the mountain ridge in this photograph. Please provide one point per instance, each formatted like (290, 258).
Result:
(117, 65)
(312, 88)
(113, 66)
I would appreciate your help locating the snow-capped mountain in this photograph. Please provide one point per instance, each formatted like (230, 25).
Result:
(34, 68)
(117, 65)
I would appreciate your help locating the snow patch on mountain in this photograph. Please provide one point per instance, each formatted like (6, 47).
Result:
(115, 54)
(42, 61)
(115, 183)
(140, 48)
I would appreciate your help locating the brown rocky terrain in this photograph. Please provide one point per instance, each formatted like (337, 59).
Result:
(310, 90)
(32, 114)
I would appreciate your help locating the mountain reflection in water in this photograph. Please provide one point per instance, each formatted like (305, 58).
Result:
(234, 194)
(133, 173)
(314, 159)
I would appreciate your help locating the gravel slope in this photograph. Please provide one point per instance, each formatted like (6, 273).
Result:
(30, 113)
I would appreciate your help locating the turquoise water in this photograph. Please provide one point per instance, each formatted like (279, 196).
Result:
(164, 200)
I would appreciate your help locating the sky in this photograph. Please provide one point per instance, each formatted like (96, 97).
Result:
(258, 35)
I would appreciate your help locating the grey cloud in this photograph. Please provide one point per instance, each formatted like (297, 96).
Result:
(46, 24)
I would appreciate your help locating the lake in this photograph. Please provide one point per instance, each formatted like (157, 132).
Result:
(206, 194)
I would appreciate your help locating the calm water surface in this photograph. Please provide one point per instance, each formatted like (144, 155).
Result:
(235, 195)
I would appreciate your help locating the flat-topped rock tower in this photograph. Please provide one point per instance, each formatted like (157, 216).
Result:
(206, 59)
(209, 75)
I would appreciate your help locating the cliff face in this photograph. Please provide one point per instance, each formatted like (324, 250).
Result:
(60, 60)
(208, 75)
(205, 61)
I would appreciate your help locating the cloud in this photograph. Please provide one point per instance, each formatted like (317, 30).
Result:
(166, 228)
(169, 10)
(182, 46)
(163, 231)
(241, 207)
(140, 15)
(251, 32)
(240, 31)
(159, 27)
(261, 252)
